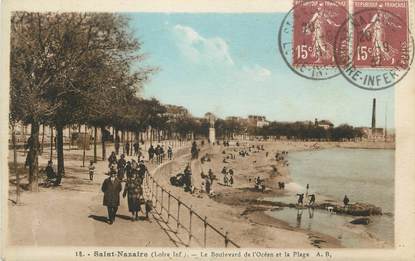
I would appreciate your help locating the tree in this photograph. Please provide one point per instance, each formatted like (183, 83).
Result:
(29, 77)
(62, 68)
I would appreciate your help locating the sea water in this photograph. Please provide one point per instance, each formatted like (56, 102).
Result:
(364, 175)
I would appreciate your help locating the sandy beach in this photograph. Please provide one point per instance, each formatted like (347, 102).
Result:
(232, 207)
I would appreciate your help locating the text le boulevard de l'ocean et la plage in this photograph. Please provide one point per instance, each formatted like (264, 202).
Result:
(204, 254)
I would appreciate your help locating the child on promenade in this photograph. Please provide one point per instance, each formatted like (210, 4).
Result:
(91, 169)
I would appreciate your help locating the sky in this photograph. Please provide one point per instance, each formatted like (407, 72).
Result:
(229, 64)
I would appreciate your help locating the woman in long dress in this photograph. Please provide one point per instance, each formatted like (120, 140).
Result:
(133, 191)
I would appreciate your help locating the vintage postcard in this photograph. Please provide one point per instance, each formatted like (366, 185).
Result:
(208, 130)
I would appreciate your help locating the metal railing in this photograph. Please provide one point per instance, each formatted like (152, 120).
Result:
(179, 216)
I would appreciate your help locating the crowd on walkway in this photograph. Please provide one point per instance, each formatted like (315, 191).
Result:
(158, 153)
(132, 174)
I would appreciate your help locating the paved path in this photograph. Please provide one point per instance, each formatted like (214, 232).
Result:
(73, 214)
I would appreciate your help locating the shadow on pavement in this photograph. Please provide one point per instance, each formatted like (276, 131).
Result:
(123, 217)
(99, 218)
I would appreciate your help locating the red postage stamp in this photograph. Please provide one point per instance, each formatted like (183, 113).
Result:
(380, 34)
(316, 24)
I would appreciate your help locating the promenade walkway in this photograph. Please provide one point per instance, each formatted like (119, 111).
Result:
(73, 214)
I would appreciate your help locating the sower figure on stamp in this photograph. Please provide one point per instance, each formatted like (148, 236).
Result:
(375, 29)
(111, 188)
(322, 49)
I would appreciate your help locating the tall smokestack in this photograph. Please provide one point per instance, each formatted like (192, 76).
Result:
(374, 114)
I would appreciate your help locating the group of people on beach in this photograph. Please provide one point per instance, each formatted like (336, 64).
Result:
(312, 200)
(207, 182)
(227, 176)
(259, 184)
(184, 179)
(280, 157)
(205, 158)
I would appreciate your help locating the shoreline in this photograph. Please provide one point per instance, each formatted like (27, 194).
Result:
(256, 212)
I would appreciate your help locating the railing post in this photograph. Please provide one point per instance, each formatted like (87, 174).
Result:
(156, 196)
(146, 179)
(178, 214)
(204, 232)
(168, 207)
(162, 192)
(190, 225)
(152, 191)
(226, 239)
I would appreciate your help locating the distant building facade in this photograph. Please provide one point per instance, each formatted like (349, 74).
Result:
(257, 121)
(326, 124)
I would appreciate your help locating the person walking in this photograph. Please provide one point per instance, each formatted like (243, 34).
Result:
(188, 179)
(211, 176)
(170, 153)
(162, 154)
(136, 146)
(231, 177)
(111, 188)
(208, 184)
(117, 144)
(112, 159)
(133, 191)
(91, 169)
(121, 167)
(142, 170)
(128, 169)
(300, 199)
(127, 148)
(346, 201)
(312, 200)
(157, 151)
(151, 153)
(194, 150)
